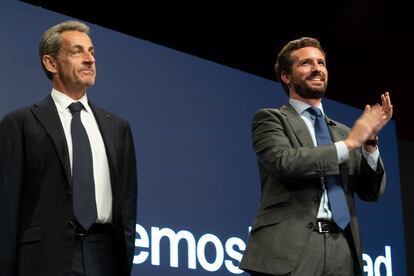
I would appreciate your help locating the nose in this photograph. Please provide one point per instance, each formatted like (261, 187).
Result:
(316, 66)
(89, 57)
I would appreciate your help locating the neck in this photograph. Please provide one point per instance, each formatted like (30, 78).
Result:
(72, 93)
(311, 102)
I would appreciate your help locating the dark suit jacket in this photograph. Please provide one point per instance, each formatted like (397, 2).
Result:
(291, 169)
(36, 230)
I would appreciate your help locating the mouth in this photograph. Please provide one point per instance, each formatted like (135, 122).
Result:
(88, 72)
(316, 80)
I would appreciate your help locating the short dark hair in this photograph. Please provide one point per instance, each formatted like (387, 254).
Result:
(50, 42)
(284, 61)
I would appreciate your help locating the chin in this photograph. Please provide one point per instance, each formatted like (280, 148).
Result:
(314, 94)
(89, 82)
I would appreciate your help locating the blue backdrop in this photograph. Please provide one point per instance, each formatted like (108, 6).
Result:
(191, 118)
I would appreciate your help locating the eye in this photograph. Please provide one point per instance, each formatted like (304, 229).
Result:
(76, 52)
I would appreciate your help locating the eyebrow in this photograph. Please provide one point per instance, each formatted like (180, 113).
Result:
(79, 46)
(307, 59)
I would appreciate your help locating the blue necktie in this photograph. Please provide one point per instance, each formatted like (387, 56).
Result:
(336, 195)
(83, 185)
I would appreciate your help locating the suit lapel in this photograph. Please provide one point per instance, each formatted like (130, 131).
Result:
(301, 130)
(298, 125)
(337, 133)
(47, 114)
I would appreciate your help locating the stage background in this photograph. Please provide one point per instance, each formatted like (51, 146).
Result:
(191, 120)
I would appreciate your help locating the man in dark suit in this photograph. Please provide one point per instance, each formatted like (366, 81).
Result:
(310, 168)
(40, 180)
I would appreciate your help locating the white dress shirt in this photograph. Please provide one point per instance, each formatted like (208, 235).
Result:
(103, 191)
(341, 150)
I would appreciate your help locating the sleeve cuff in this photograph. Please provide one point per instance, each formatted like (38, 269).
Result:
(372, 158)
(342, 151)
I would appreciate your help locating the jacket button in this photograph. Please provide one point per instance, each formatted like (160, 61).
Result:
(310, 225)
(71, 223)
(69, 192)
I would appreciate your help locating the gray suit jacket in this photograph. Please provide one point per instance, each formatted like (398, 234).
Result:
(291, 170)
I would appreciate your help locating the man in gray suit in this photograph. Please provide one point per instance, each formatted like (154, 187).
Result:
(306, 224)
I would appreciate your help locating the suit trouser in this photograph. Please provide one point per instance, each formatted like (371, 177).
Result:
(94, 255)
(326, 254)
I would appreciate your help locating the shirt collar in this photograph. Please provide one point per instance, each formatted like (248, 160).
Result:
(301, 107)
(62, 101)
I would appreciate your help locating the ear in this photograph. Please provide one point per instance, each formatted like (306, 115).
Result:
(285, 78)
(50, 63)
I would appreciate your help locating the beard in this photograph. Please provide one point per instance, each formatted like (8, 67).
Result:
(307, 91)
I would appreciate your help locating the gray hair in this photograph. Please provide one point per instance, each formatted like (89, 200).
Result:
(51, 42)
